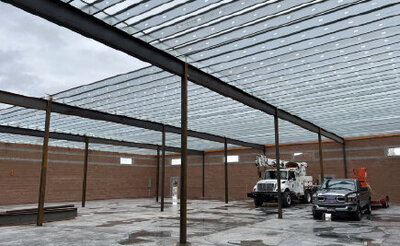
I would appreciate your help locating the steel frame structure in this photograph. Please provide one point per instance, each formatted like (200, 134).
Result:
(72, 18)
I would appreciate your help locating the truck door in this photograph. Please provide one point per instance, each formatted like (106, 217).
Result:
(294, 182)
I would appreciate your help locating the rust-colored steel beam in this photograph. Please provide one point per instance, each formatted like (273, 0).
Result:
(85, 171)
(184, 135)
(321, 158)
(278, 167)
(43, 170)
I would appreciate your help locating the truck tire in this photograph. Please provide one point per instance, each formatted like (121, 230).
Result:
(368, 208)
(307, 198)
(286, 199)
(258, 202)
(357, 214)
(317, 215)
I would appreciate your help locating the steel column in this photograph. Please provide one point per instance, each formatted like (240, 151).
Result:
(344, 159)
(203, 191)
(85, 170)
(43, 171)
(184, 126)
(162, 168)
(321, 159)
(158, 174)
(226, 170)
(278, 167)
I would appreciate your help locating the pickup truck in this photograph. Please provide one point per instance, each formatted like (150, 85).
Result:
(341, 197)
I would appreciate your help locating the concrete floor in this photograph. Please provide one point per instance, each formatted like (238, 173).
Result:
(139, 222)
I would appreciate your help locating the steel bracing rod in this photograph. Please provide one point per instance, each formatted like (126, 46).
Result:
(321, 158)
(183, 179)
(93, 140)
(85, 170)
(72, 18)
(43, 169)
(344, 159)
(278, 166)
(40, 104)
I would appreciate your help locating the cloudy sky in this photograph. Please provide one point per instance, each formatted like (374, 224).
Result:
(38, 57)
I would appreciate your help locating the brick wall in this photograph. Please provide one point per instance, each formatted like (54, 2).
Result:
(20, 172)
(20, 169)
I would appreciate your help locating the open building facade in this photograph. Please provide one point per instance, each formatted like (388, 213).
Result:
(313, 81)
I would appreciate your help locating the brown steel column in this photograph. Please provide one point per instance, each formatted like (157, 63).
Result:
(278, 168)
(43, 171)
(226, 169)
(184, 133)
(158, 173)
(203, 191)
(321, 160)
(162, 168)
(344, 159)
(265, 150)
(85, 170)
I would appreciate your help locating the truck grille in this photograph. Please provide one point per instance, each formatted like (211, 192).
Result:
(265, 187)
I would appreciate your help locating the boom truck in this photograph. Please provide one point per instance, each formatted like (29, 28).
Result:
(295, 184)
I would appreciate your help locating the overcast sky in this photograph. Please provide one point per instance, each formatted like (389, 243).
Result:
(38, 57)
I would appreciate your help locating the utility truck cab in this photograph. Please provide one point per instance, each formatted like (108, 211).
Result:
(294, 182)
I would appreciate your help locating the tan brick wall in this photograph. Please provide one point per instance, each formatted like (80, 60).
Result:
(108, 179)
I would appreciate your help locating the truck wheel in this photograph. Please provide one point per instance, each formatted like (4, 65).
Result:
(317, 216)
(357, 214)
(307, 198)
(368, 210)
(258, 202)
(286, 199)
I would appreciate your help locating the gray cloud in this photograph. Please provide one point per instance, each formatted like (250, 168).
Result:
(38, 57)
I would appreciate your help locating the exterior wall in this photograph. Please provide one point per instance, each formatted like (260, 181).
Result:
(20, 175)
(20, 171)
(370, 153)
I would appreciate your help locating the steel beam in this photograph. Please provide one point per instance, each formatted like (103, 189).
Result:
(162, 168)
(85, 170)
(226, 170)
(40, 104)
(43, 170)
(321, 159)
(344, 159)
(76, 20)
(184, 126)
(158, 174)
(278, 166)
(79, 138)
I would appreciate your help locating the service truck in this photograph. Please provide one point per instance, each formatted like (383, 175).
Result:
(295, 184)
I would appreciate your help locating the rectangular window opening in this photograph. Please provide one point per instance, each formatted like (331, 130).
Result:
(393, 151)
(125, 161)
(175, 161)
(233, 158)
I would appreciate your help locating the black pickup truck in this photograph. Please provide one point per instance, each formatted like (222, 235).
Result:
(341, 197)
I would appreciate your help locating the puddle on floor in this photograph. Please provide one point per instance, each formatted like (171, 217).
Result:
(248, 243)
(120, 222)
(143, 236)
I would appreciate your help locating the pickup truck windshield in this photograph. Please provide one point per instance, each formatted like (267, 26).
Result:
(332, 184)
(272, 175)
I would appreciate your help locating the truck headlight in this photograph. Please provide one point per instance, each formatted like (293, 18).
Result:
(351, 198)
(314, 197)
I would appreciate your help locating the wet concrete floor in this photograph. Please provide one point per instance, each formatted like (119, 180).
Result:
(210, 222)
